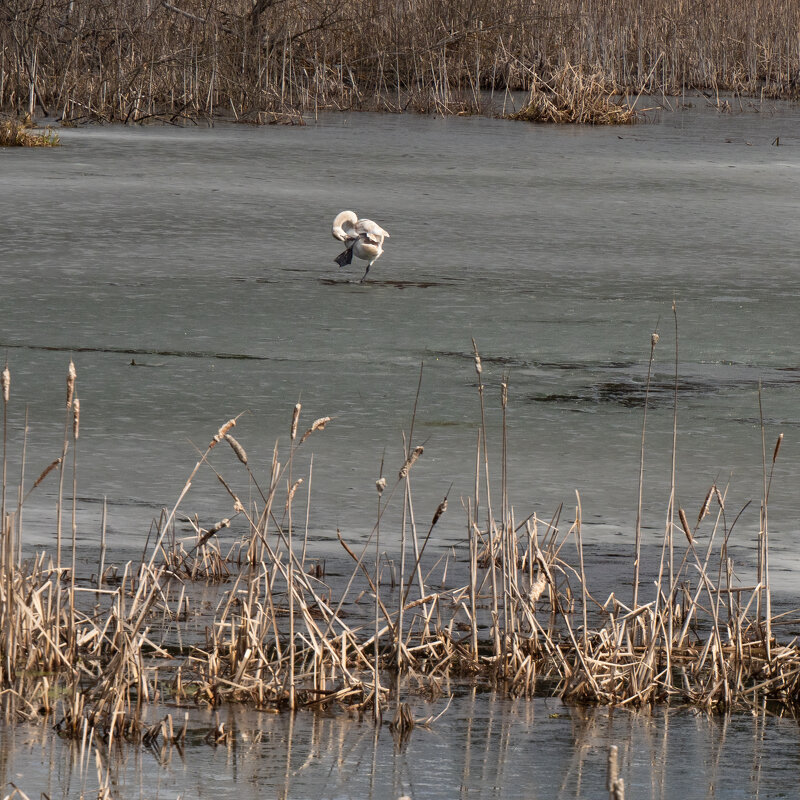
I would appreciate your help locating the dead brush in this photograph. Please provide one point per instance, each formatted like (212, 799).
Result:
(21, 132)
(576, 96)
(281, 62)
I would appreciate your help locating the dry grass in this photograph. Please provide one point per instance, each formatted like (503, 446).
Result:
(92, 653)
(573, 96)
(281, 60)
(21, 132)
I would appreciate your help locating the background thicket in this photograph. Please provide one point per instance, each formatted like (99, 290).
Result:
(132, 59)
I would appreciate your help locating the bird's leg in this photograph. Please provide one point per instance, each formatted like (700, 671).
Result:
(364, 276)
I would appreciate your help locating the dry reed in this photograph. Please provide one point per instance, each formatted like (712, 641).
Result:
(572, 96)
(21, 132)
(269, 61)
(93, 655)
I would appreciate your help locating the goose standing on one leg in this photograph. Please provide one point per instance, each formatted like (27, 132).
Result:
(363, 239)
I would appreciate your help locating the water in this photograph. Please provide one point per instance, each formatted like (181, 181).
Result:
(189, 273)
(484, 747)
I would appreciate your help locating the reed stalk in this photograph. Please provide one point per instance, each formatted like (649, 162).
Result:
(638, 529)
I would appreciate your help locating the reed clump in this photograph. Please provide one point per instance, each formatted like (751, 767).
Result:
(21, 132)
(200, 623)
(573, 95)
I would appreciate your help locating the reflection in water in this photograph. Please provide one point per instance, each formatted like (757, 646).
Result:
(483, 747)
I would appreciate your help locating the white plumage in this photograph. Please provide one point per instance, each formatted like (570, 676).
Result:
(363, 239)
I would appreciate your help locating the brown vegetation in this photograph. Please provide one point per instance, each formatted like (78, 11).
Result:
(93, 652)
(575, 97)
(182, 59)
(19, 132)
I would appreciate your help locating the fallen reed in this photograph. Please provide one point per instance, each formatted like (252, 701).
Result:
(237, 611)
(282, 60)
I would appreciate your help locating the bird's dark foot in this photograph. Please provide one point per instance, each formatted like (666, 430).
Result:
(343, 259)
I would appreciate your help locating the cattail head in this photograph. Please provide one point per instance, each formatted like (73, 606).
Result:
(537, 587)
(777, 448)
(685, 525)
(380, 485)
(71, 376)
(706, 504)
(404, 470)
(5, 380)
(439, 511)
(220, 434)
(290, 495)
(237, 448)
(47, 470)
(478, 366)
(654, 337)
(76, 418)
(504, 393)
(223, 523)
(316, 425)
(295, 418)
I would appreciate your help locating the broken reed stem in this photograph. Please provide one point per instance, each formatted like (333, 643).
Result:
(76, 417)
(490, 514)
(400, 662)
(102, 562)
(763, 576)
(380, 485)
(505, 543)
(71, 375)
(308, 513)
(673, 489)
(5, 384)
(638, 530)
(290, 565)
(21, 491)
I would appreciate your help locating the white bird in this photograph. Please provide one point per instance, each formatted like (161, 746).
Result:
(363, 239)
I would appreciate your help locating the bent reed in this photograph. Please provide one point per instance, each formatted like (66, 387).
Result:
(91, 654)
(278, 60)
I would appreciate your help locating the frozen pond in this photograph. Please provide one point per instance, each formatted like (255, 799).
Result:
(189, 273)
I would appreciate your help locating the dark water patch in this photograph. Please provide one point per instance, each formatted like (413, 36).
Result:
(445, 423)
(506, 361)
(124, 501)
(580, 366)
(135, 363)
(239, 279)
(633, 393)
(628, 393)
(389, 283)
(768, 421)
(127, 351)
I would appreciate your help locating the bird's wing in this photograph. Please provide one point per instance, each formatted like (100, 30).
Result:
(371, 229)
